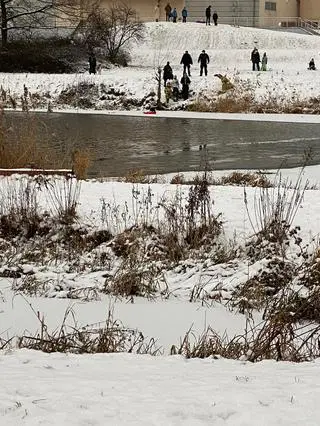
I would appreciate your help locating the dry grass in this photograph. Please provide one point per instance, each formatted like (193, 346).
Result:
(139, 176)
(108, 337)
(254, 179)
(81, 161)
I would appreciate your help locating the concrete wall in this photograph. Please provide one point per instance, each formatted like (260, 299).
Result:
(146, 8)
(310, 9)
(228, 10)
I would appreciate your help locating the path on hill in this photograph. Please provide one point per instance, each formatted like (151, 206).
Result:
(118, 144)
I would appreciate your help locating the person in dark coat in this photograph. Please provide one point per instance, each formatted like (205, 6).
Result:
(186, 60)
(168, 11)
(204, 60)
(92, 64)
(167, 73)
(312, 65)
(208, 15)
(255, 59)
(215, 18)
(185, 81)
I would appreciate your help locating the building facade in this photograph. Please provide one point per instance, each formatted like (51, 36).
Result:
(235, 12)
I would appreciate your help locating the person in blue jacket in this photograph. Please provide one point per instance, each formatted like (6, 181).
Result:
(184, 14)
(174, 15)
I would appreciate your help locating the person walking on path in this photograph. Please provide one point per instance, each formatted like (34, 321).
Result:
(168, 11)
(215, 18)
(167, 73)
(208, 15)
(184, 14)
(186, 60)
(174, 15)
(264, 62)
(204, 60)
(92, 64)
(255, 59)
(185, 81)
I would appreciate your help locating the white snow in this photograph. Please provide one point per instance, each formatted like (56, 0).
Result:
(58, 389)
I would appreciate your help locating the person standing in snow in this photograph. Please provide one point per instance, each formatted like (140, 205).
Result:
(168, 11)
(204, 60)
(186, 60)
(175, 88)
(185, 81)
(208, 15)
(92, 64)
(312, 65)
(264, 62)
(167, 73)
(168, 92)
(215, 18)
(174, 15)
(255, 59)
(184, 14)
(157, 12)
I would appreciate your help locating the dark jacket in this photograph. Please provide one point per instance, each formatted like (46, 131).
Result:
(186, 59)
(92, 61)
(208, 11)
(167, 72)
(255, 56)
(184, 12)
(215, 16)
(203, 58)
(185, 80)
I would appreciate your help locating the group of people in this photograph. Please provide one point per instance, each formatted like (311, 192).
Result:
(203, 60)
(171, 84)
(208, 16)
(255, 59)
(172, 14)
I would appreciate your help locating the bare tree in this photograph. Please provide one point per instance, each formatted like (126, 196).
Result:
(114, 29)
(19, 15)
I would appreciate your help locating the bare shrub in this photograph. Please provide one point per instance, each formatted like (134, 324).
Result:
(273, 339)
(191, 224)
(114, 29)
(139, 176)
(22, 148)
(108, 337)
(253, 179)
(178, 179)
(80, 163)
(63, 195)
(19, 207)
(275, 208)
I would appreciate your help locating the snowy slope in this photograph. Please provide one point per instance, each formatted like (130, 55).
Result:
(229, 49)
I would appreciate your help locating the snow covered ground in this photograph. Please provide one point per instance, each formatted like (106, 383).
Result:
(118, 390)
(229, 48)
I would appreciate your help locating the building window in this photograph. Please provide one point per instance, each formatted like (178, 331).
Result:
(270, 5)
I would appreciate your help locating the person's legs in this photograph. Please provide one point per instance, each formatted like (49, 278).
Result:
(201, 70)
(184, 19)
(189, 73)
(205, 70)
(184, 68)
(253, 66)
(258, 66)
